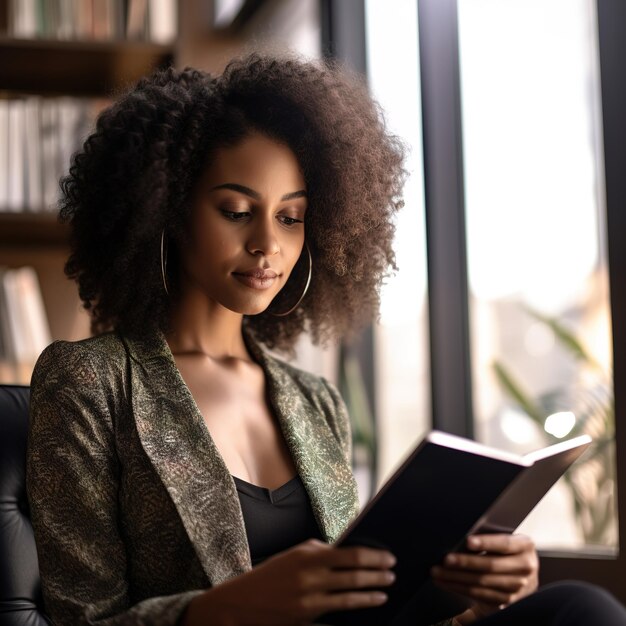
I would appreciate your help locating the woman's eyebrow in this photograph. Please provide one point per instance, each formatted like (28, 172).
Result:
(255, 194)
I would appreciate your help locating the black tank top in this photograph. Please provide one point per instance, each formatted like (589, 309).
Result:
(276, 519)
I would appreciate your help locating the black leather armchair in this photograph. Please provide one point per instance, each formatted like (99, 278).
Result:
(21, 603)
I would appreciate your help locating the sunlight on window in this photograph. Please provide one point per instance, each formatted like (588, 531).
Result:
(403, 379)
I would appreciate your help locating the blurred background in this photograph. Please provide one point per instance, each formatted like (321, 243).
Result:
(503, 321)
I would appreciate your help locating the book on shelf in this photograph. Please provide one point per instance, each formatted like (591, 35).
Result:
(162, 21)
(38, 137)
(100, 20)
(4, 153)
(15, 179)
(33, 166)
(446, 489)
(24, 328)
(136, 23)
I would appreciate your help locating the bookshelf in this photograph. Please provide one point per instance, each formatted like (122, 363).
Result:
(63, 65)
(77, 68)
(37, 230)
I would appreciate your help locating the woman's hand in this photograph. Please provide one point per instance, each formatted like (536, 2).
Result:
(505, 569)
(296, 586)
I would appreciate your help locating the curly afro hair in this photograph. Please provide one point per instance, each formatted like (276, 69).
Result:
(135, 174)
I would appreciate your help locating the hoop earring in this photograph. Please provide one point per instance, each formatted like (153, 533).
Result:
(164, 262)
(306, 287)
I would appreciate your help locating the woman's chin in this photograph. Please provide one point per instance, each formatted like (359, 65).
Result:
(251, 308)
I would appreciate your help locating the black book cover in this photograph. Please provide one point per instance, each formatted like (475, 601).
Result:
(438, 496)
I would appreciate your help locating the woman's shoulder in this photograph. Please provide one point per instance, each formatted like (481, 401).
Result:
(81, 359)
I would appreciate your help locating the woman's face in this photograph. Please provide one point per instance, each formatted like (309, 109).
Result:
(247, 225)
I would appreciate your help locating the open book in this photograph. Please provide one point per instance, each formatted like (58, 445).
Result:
(448, 488)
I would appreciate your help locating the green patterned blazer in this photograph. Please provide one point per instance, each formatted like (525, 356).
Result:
(133, 508)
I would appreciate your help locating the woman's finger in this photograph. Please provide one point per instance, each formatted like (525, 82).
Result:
(502, 582)
(487, 595)
(357, 579)
(355, 557)
(320, 553)
(501, 543)
(524, 563)
(316, 604)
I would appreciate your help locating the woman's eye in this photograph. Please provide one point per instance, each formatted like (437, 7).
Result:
(235, 216)
(290, 221)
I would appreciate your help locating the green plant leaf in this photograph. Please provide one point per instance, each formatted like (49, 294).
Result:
(514, 389)
(566, 337)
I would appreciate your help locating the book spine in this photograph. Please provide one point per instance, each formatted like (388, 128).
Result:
(33, 314)
(4, 153)
(8, 367)
(19, 339)
(137, 17)
(162, 21)
(8, 344)
(34, 197)
(47, 149)
(16, 173)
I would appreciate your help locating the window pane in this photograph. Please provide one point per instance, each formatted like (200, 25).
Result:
(401, 340)
(539, 301)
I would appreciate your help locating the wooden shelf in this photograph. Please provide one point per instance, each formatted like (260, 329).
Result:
(32, 230)
(79, 68)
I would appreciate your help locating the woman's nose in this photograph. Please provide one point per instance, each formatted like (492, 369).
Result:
(262, 239)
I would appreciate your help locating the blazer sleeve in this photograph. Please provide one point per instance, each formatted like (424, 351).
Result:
(72, 478)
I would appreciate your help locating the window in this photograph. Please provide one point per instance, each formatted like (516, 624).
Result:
(540, 325)
(470, 394)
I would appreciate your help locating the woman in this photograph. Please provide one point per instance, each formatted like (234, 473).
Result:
(171, 452)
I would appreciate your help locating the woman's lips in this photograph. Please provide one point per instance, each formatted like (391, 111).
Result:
(257, 279)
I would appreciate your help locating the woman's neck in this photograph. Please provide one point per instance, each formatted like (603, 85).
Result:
(200, 326)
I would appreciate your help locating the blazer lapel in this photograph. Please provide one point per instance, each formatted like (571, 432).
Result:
(175, 439)
(318, 456)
